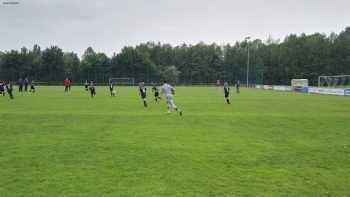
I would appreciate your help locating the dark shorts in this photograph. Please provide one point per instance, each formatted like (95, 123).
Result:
(156, 94)
(227, 94)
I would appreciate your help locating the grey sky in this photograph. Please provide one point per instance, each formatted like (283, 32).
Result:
(108, 25)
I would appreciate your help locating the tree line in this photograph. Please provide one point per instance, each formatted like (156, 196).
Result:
(270, 62)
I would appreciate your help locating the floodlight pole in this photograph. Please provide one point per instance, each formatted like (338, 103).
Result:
(319, 81)
(247, 39)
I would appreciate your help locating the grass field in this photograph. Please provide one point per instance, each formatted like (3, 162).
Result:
(264, 144)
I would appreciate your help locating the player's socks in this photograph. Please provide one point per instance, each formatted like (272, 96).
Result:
(145, 103)
(228, 101)
(178, 110)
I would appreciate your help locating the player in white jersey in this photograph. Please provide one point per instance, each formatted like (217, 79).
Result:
(168, 92)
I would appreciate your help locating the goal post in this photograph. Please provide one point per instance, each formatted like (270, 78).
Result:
(125, 81)
(335, 81)
(300, 85)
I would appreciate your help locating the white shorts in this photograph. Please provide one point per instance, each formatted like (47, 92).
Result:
(170, 102)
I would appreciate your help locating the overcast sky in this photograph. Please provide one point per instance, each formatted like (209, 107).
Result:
(108, 25)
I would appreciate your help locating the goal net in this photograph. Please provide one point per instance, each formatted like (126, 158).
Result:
(300, 85)
(122, 81)
(337, 81)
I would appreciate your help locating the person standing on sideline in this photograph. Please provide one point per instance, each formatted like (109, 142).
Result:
(238, 87)
(227, 92)
(168, 92)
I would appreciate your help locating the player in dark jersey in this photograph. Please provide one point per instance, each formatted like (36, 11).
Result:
(26, 83)
(2, 88)
(238, 87)
(92, 88)
(155, 92)
(111, 89)
(143, 93)
(32, 86)
(70, 84)
(20, 85)
(227, 92)
(9, 88)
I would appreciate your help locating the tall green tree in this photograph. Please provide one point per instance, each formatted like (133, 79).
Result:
(71, 65)
(271, 62)
(52, 64)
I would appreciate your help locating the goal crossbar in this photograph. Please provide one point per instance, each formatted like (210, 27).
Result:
(328, 77)
(121, 80)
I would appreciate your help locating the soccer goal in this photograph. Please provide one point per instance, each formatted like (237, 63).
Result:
(300, 85)
(336, 81)
(122, 81)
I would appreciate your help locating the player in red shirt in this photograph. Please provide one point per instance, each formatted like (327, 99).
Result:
(66, 83)
(217, 84)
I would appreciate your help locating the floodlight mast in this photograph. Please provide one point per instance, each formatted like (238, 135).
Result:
(248, 59)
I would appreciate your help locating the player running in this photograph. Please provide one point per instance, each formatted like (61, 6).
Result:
(86, 84)
(238, 87)
(32, 86)
(155, 92)
(227, 92)
(2, 88)
(20, 85)
(168, 92)
(9, 88)
(111, 89)
(92, 88)
(143, 93)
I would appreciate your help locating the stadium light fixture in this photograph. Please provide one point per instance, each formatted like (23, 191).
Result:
(248, 59)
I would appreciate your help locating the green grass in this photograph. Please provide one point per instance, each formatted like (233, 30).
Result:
(265, 144)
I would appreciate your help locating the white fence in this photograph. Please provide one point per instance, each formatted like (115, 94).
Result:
(330, 91)
(314, 90)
